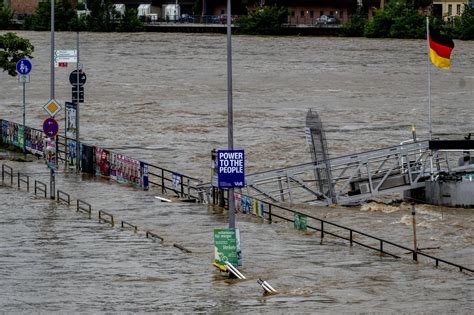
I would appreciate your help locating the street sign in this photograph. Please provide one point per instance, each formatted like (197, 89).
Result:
(50, 127)
(65, 55)
(227, 246)
(60, 64)
(52, 107)
(73, 77)
(81, 93)
(24, 78)
(230, 168)
(23, 67)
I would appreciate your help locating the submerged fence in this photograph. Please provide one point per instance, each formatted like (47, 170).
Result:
(101, 162)
(270, 211)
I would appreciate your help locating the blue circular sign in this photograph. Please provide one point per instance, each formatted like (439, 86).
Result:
(23, 66)
(50, 127)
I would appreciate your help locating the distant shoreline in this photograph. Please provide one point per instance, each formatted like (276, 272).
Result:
(291, 30)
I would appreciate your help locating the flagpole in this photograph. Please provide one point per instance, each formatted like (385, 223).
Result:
(429, 77)
(429, 92)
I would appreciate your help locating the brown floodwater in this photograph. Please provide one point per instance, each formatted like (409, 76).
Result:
(161, 98)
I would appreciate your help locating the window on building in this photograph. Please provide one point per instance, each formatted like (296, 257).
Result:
(341, 14)
(331, 12)
(321, 13)
(450, 9)
(302, 13)
(311, 14)
(458, 9)
(293, 13)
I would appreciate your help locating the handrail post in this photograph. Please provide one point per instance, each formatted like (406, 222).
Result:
(270, 213)
(18, 180)
(415, 249)
(28, 183)
(162, 180)
(350, 237)
(322, 231)
(182, 186)
(189, 189)
(381, 246)
(3, 173)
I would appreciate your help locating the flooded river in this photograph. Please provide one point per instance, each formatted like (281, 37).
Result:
(162, 98)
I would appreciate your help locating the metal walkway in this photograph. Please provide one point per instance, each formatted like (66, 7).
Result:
(354, 177)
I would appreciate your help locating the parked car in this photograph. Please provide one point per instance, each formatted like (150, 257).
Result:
(233, 18)
(326, 19)
(186, 18)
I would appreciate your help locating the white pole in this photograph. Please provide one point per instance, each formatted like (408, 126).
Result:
(429, 77)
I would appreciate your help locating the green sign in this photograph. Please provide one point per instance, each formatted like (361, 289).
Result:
(301, 222)
(225, 246)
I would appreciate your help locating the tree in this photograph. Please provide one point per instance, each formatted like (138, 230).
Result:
(356, 25)
(6, 15)
(464, 25)
(396, 20)
(102, 16)
(63, 15)
(130, 22)
(12, 49)
(263, 21)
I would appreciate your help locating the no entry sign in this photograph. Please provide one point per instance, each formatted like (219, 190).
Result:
(230, 168)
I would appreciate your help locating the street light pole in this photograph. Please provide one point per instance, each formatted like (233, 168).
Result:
(52, 184)
(230, 114)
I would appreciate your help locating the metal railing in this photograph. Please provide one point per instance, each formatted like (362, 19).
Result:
(60, 194)
(182, 186)
(125, 224)
(323, 226)
(40, 186)
(8, 171)
(103, 217)
(21, 179)
(80, 207)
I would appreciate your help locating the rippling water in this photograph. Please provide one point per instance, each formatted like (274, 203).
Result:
(162, 98)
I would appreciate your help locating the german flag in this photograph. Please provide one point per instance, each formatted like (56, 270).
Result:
(441, 47)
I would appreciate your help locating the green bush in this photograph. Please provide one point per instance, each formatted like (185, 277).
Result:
(263, 21)
(6, 15)
(464, 25)
(396, 20)
(356, 25)
(130, 22)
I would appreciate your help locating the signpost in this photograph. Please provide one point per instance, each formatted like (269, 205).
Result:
(23, 67)
(63, 57)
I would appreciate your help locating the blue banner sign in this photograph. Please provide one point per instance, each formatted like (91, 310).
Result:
(230, 168)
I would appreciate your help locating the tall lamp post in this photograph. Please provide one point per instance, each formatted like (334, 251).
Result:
(230, 114)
